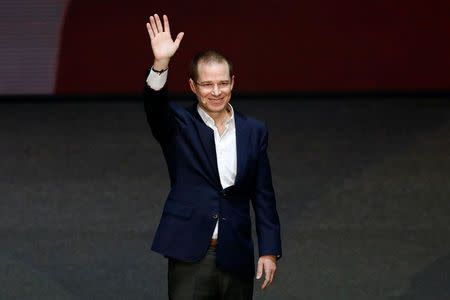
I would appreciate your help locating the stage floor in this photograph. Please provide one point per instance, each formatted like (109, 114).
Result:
(362, 188)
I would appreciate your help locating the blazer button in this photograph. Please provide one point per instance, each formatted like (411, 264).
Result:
(215, 216)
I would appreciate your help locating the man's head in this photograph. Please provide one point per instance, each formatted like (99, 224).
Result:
(211, 80)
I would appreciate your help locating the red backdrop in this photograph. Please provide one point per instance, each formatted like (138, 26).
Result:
(286, 46)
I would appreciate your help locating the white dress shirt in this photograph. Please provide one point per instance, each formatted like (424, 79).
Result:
(226, 152)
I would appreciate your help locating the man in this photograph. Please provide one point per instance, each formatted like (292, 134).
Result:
(217, 163)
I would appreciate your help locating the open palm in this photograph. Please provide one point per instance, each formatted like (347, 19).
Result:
(162, 44)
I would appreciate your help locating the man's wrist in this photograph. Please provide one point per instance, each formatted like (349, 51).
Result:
(270, 256)
(159, 71)
(160, 64)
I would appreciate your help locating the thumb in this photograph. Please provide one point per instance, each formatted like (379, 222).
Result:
(260, 269)
(179, 38)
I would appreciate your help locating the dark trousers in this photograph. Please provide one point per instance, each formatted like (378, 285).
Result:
(202, 280)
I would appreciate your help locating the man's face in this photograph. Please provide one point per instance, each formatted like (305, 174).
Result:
(213, 87)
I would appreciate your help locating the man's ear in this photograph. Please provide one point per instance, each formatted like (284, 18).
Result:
(192, 86)
(232, 82)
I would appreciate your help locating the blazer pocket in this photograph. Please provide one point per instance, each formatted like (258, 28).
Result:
(179, 210)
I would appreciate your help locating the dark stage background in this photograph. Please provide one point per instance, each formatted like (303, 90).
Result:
(288, 46)
(102, 46)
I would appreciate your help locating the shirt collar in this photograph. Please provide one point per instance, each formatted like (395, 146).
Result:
(210, 121)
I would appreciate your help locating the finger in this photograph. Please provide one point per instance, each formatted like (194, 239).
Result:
(153, 26)
(158, 23)
(266, 282)
(272, 275)
(269, 277)
(150, 31)
(178, 39)
(260, 269)
(166, 24)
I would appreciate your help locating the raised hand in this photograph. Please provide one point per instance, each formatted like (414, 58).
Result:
(162, 44)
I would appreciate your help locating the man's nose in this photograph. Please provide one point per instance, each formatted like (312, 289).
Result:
(216, 90)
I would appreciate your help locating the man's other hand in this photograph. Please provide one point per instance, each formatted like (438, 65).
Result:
(268, 263)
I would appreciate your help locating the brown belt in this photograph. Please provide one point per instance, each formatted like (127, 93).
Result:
(213, 242)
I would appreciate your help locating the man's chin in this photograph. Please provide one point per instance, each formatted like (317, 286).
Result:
(216, 107)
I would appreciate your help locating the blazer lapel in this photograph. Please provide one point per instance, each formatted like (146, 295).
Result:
(206, 135)
(242, 139)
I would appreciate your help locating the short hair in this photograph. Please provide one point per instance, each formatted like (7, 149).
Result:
(208, 56)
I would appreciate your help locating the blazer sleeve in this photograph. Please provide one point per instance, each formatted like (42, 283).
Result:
(264, 204)
(160, 115)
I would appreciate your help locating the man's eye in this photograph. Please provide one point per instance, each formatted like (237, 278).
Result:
(208, 85)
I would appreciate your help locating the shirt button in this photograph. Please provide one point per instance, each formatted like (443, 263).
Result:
(215, 216)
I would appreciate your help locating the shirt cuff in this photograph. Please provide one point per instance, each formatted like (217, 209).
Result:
(156, 81)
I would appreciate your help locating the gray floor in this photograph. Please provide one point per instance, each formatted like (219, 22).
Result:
(362, 188)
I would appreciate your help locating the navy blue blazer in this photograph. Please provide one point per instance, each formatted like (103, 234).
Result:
(196, 198)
